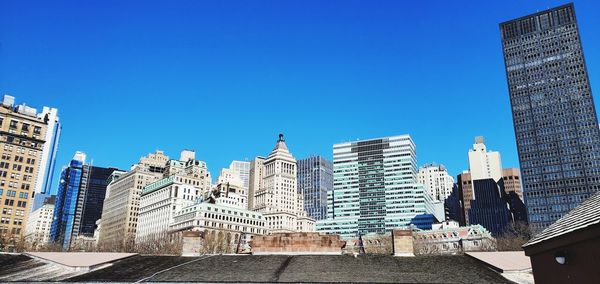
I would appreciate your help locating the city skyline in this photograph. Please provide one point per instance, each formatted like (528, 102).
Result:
(373, 54)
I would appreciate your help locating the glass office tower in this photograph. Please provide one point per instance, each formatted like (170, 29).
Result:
(375, 188)
(79, 201)
(315, 178)
(554, 117)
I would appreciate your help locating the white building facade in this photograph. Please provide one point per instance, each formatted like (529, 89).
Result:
(436, 180)
(202, 216)
(37, 231)
(161, 200)
(484, 164)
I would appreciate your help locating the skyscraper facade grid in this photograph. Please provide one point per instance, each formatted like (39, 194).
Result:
(554, 116)
(375, 188)
(315, 178)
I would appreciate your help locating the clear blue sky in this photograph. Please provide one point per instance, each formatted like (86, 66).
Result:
(225, 77)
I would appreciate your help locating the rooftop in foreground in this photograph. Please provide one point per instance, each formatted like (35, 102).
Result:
(271, 268)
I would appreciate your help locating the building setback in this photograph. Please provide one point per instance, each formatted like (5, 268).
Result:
(553, 111)
(79, 201)
(315, 179)
(375, 188)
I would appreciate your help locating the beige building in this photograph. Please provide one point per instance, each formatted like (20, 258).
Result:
(257, 170)
(22, 139)
(121, 205)
(512, 181)
(277, 198)
(230, 185)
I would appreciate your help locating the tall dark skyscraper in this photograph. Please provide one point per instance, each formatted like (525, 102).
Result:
(554, 117)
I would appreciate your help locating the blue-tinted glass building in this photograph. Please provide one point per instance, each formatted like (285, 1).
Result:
(493, 208)
(553, 111)
(315, 178)
(79, 201)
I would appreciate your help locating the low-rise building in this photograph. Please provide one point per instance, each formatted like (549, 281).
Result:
(450, 238)
(220, 216)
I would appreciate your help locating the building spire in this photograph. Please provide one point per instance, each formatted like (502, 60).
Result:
(281, 138)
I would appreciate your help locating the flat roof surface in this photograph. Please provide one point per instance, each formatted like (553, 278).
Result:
(504, 261)
(81, 259)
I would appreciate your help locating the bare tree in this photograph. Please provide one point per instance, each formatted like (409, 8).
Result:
(515, 236)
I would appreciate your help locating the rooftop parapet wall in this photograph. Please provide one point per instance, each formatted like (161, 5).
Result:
(297, 244)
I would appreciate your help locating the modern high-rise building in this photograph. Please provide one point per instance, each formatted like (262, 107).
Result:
(122, 203)
(554, 116)
(79, 201)
(436, 180)
(184, 181)
(315, 179)
(277, 196)
(27, 148)
(375, 188)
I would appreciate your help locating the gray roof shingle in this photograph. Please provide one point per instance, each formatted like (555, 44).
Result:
(294, 269)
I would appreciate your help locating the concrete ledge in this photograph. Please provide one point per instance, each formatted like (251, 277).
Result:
(79, 261)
